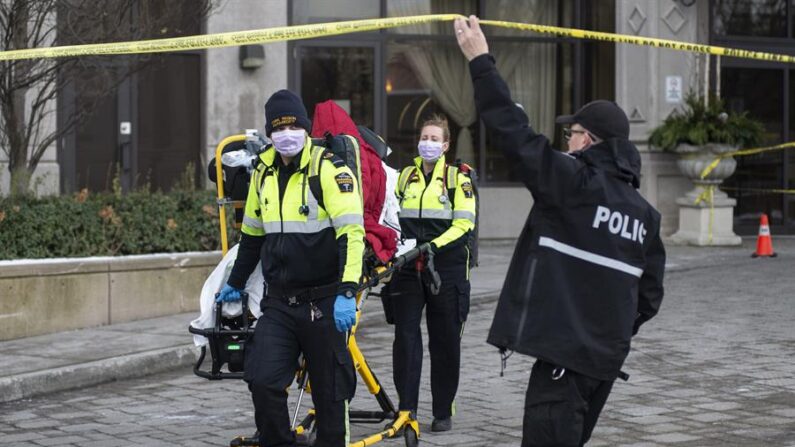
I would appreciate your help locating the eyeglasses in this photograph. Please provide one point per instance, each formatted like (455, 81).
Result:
(568, 132)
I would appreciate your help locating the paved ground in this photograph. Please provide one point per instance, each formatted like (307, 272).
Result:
(714, 368)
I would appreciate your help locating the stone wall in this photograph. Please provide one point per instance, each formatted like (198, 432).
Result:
(45, 296)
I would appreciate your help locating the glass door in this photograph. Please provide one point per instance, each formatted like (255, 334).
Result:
(344, 72)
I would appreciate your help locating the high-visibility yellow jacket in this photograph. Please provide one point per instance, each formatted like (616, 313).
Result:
(428, 214)
(306, 244)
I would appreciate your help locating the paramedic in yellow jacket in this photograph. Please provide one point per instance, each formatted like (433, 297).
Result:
(437, 207)
(311, 253)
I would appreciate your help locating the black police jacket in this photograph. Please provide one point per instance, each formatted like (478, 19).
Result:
(588, 266)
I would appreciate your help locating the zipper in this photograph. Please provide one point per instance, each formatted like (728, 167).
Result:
(422, 227)
(528, 289)
(280, 243)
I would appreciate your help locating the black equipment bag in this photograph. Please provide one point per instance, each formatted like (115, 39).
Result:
(473, 237)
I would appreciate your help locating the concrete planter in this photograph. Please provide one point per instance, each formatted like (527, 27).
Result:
(703, 223)
(51, 295)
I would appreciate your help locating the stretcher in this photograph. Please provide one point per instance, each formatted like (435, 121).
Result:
(227, 336)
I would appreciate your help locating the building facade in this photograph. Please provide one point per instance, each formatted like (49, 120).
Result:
(390, 80)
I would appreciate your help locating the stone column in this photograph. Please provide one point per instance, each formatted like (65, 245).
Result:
(644, 81)
(706, 214)
(235, 97)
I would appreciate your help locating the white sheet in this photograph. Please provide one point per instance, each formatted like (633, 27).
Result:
(213, 285)
(391, 209)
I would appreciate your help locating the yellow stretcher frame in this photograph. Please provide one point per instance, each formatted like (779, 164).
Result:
(221, 198)
(402, 420)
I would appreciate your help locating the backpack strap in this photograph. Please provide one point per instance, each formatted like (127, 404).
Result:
(315, 163)
(406, 175)
(451, 182)
(261, 171)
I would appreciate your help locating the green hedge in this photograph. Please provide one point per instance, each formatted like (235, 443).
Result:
(106, 224)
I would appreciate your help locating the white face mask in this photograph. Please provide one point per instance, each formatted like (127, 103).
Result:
(289, 142)
(430, 150)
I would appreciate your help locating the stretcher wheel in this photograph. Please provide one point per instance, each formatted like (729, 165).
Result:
(411, 437)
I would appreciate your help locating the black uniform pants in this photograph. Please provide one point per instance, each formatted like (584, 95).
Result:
(282, 333)
(562, 411)
(445, 315)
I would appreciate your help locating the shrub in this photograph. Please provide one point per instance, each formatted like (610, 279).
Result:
(698, 124)
(87, 224)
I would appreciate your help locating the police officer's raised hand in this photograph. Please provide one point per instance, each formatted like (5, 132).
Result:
(227, 294)
(470, 37)
(344, 313)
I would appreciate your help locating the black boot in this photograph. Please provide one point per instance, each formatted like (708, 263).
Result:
(439, 425)
(250, 441)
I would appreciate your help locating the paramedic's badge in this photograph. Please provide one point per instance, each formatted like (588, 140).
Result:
(467, 188)
(344, 182)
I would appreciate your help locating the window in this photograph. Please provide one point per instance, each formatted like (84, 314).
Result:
(342, 74)
(305, 12)
(766, 18)
(789, 199)
(419, 70)
(401, 8)
(424, 78)
(765, 91)
(537, 75)
(760, 92)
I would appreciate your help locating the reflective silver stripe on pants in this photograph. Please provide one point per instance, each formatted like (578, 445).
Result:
(468, 215)
(295, 226)
(347, 219)
(253, 223)
(593, 258)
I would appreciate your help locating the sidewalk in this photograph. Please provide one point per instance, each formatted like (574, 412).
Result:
(82, 358)
(75, 359)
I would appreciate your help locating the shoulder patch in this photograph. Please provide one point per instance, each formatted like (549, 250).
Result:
(344, 182)
(466, 188)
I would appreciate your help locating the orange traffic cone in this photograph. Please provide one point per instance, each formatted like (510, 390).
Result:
(764, 243)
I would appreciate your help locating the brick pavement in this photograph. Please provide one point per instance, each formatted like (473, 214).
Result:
(715, 368)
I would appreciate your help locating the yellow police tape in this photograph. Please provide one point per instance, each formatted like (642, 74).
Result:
(235, 38)
(710, 167)
(644, 41)
(708, 193)
(759, 190)
(285, 33)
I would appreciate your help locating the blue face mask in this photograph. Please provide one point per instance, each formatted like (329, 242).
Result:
(289, 142)
(430, 150)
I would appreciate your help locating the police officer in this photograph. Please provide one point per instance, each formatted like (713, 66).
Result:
(311, 253)
(588, 266)
(437, 207)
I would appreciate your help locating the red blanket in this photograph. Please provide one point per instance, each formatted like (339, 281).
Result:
(329, 117)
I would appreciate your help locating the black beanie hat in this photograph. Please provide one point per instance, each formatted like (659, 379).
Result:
(605, 119)
(285, 108)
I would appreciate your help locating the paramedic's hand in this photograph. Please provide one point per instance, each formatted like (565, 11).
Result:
(344, 313)
(228, 293)
(470, 37)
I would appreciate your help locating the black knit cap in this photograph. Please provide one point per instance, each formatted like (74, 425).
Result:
(604, 119)
(285, 108)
